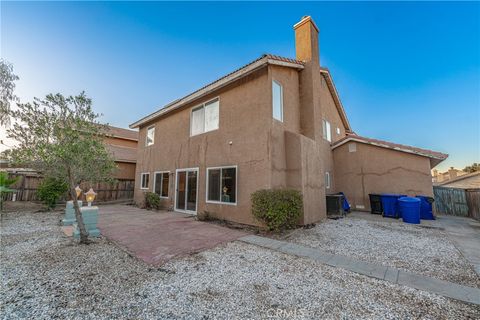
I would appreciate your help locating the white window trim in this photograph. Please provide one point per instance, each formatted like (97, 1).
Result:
(328, 182)
(146, 136)
(202, 105)
(141, 180)
(281, 101)
(324, 130)
(236, 186)
(155, 183)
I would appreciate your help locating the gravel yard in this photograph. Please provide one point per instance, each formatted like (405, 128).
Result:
(412, 248)
(46, 275)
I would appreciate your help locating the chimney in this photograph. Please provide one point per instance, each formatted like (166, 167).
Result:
(310, 79)
(306, 40)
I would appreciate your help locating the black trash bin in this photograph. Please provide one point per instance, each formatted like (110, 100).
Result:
(376, 203)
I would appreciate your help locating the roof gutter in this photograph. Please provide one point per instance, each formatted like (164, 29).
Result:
(243, 72)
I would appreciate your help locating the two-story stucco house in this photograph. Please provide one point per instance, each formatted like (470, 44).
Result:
(274, 123)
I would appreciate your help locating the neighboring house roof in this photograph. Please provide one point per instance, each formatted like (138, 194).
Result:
(240, 73)
(465, 181)
(123, 154)
(435, 157)
(122, 133)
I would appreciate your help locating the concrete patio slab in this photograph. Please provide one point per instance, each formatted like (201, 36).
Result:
(465, 233)
(158, 236)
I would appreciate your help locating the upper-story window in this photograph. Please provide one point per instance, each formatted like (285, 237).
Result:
(327, 131)
(150, 138)
(277, 100)
(205, 117)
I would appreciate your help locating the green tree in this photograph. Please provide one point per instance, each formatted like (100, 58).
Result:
(61, 137)
(473, 168)
(7, 86)
(5, 184)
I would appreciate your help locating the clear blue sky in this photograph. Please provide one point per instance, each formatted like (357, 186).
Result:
(406, 72)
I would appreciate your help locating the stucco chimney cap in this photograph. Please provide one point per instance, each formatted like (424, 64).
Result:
(304, 20)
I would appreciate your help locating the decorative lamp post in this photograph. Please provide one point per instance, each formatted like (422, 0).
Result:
(90, 195)
(78, 191)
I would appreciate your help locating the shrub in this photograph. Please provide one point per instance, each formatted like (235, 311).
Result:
(152, 200)
(278, 209)
(5, 184)
(51, 190)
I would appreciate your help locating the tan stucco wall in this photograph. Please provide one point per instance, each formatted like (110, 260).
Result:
(245, 112)
(277, 154)
(298, 161)
(374, 169)
(268, 153)
(125, 170)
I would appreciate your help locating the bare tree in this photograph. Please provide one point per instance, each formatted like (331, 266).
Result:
(61, 137)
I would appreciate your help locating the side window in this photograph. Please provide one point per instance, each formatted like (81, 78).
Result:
(327, 180)
(150, 139)
(277, 100)
(161, 184)
(222, 185)
(327, 131)
(144, 180)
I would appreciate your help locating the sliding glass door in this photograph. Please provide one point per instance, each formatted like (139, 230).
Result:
(186, 190)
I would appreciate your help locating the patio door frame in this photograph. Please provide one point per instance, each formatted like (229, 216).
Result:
(186, 170)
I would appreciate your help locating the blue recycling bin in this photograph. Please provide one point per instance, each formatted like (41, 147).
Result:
(410, 209)
(345, 204)
(426, 212)
(390, 204)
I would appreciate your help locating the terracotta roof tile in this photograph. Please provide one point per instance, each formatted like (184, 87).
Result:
(117, 132)
(268, 56)
(264, 56)
(391, 145)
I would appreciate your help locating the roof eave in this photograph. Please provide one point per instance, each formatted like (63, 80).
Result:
(434, 160)
(336, 98)
(249, 69)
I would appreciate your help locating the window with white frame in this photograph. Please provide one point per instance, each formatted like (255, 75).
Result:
(150, 138)
(222, 185)
(327, 180)
(205, 118)
(144, 180)
(327, 132)
(277, 100)
(161, 182)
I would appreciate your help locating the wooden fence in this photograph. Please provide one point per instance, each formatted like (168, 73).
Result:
(457, 202)
(473, 201)
(27, 185)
